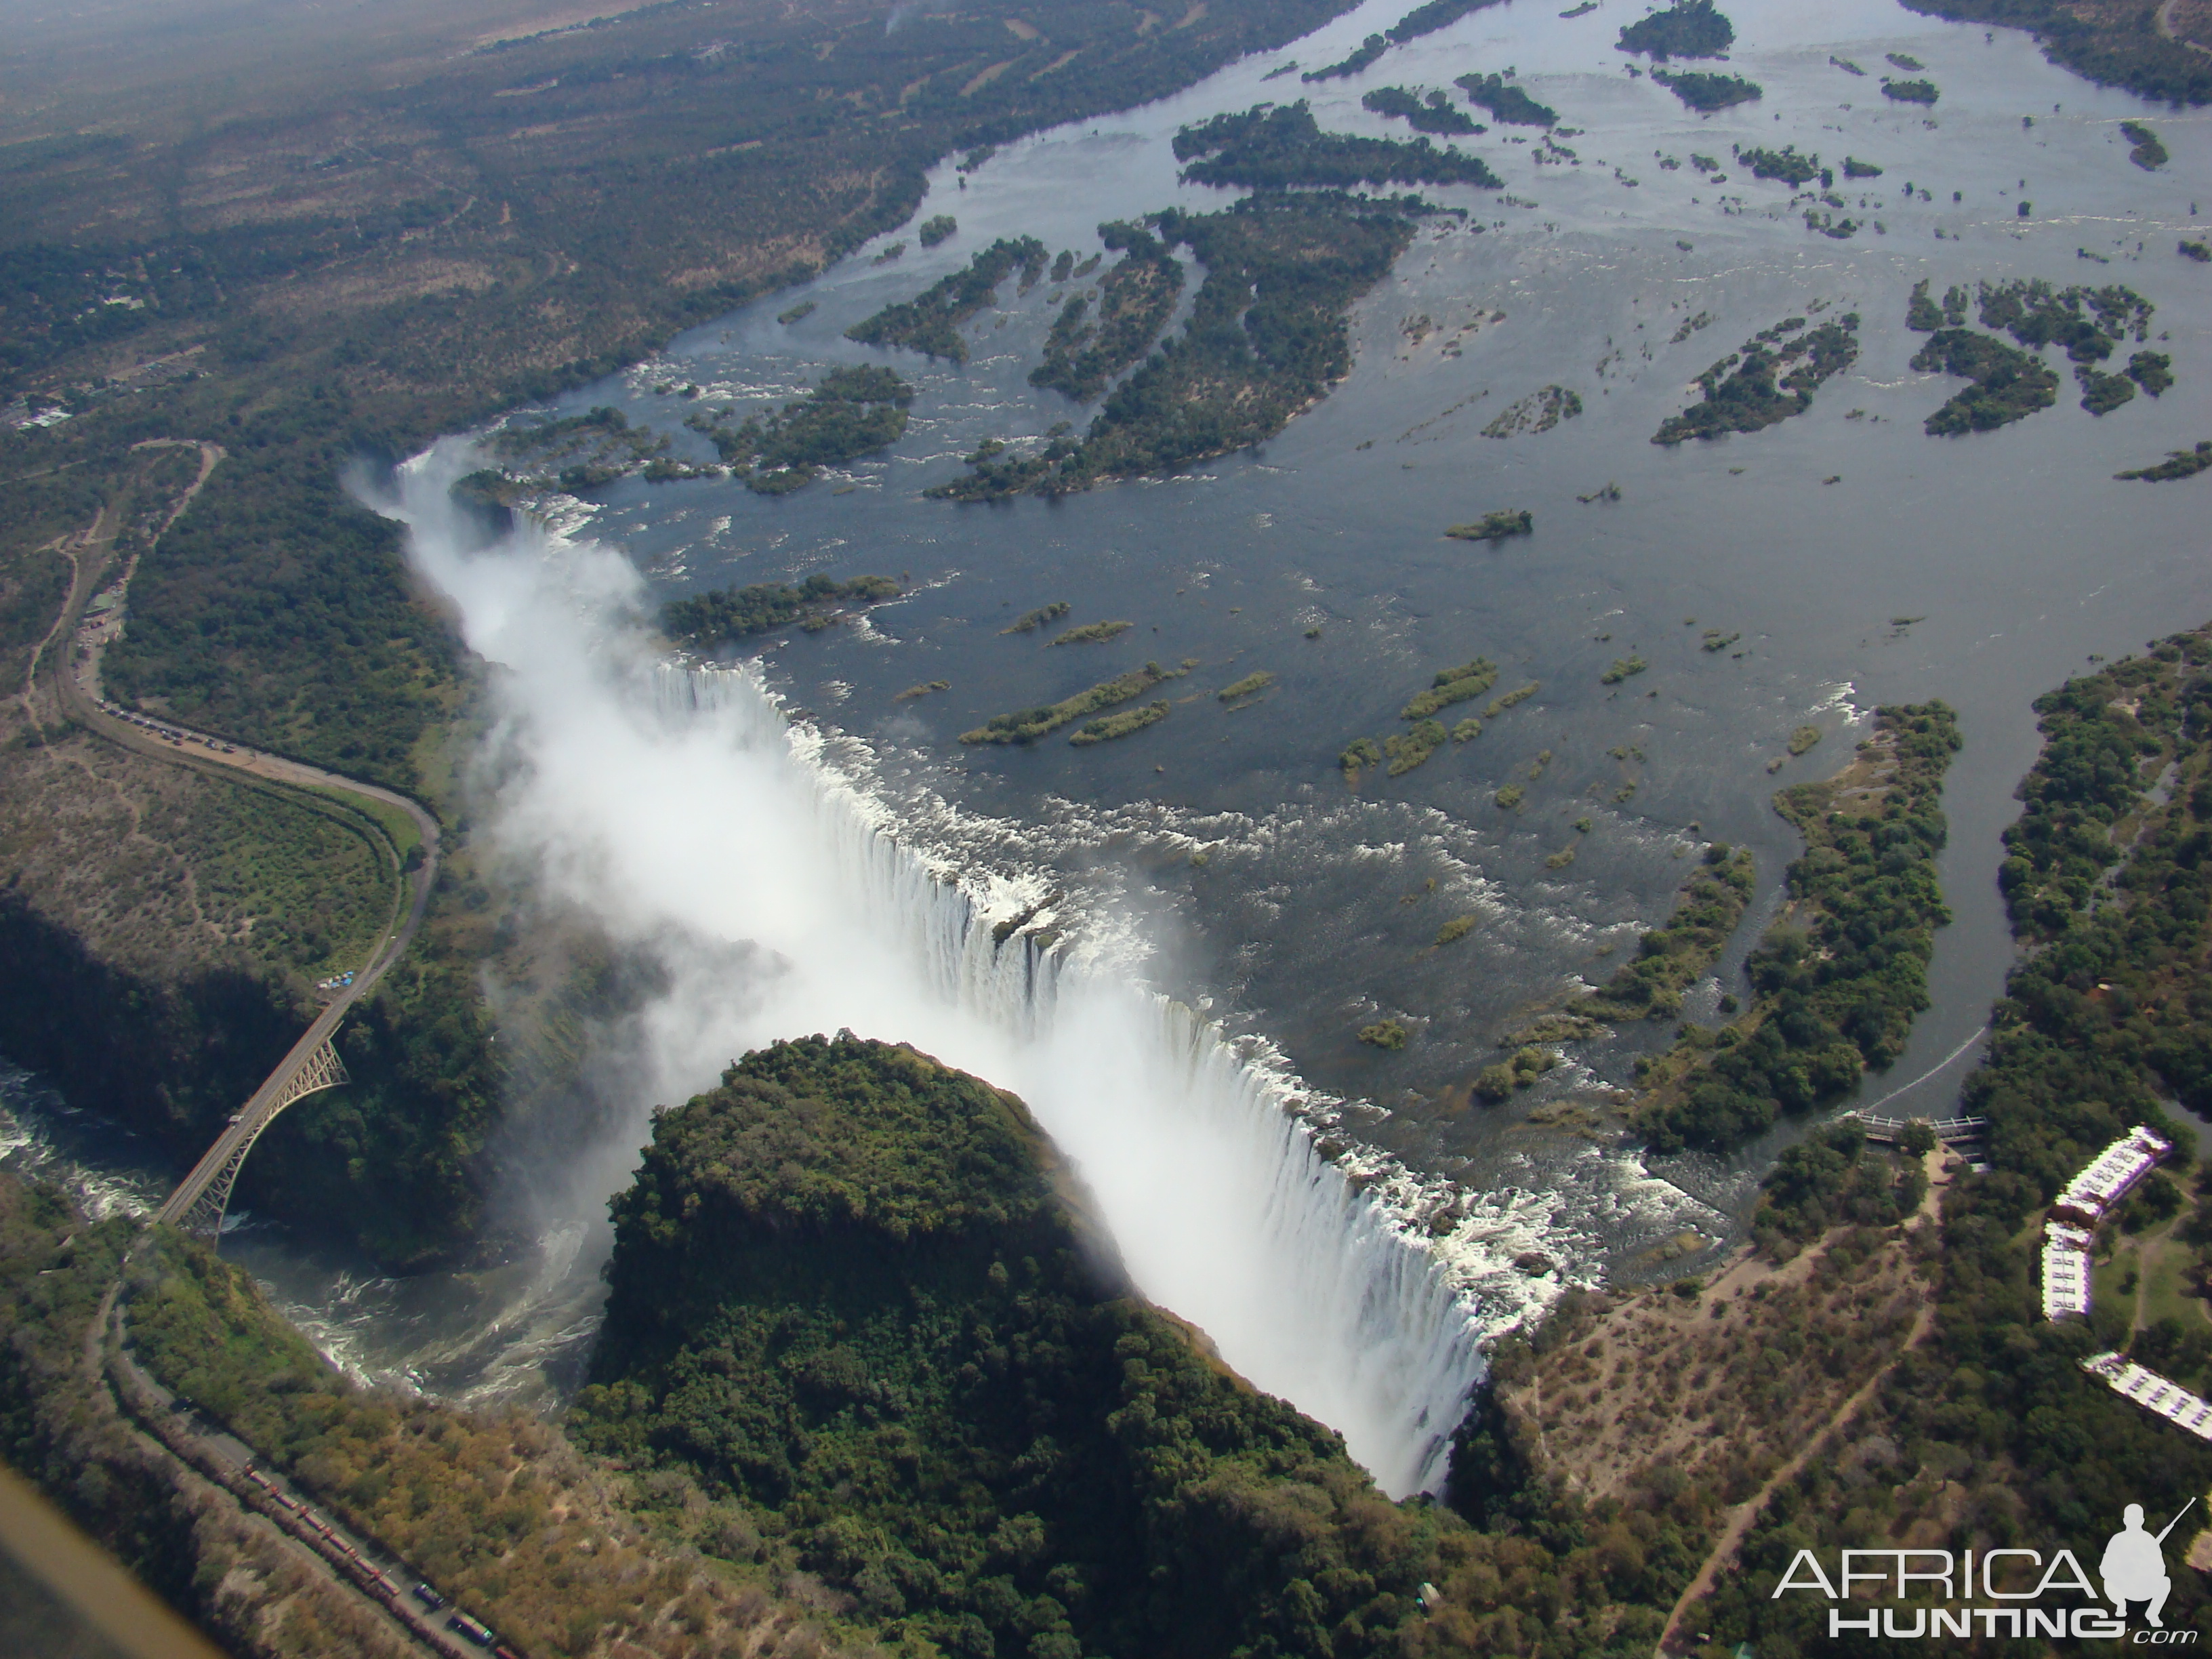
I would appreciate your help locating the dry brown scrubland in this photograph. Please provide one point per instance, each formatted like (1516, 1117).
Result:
(1642, 1388)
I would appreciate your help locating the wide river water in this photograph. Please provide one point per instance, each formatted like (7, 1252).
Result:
(1220, 855)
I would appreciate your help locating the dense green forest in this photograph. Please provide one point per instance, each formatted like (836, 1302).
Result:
(1276, 148)
(1707, 92)
(1771, 378)
(1784, 164)
(930, 322)
(1506, 102)
(1672, 958)
(2009, 384)
(1688, 28)
(706, 622)
(853, 412)
(1837, 981)
(1433, 114)
(858, 1297)
(1366, 52)
(2113, 42)
(1028, 724)
(1087, 349)
(2105, 1016)
(1267, 335)
(2179, 463)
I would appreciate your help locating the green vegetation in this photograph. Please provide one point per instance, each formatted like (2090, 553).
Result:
(853, 412)
(1361, 56)
(1358, 755)
(1910, 92)
(2200, 251)
(580, 451)
(1785, 164)
(2089, 322)
(942, 229)
(1457, 929)
(1803, 740)
(2151, 370)
(1855, 168)
(1529, 1062)
(2148, 153)
(1251, 685)
(1277, 147)
(1714, 639)
(2102, 394)
(1029, 621)
(798, 312)
(2008, 385)
(1688, 28)
(1467, 730)
(2103, 1017)
(856, 1301)
(2178, 463)
(1708, 92)
(1407, 750)
(922, 689)
(1094, 633)
(1621, 669)
(1923, 316)
(1119, 725)
(1506, 700)
(1028, 724)
(1265, 337)
(1386, 1035)
(1840, 975)
(1496, 526)
(930, 322)
(1768, 380)
(706, 622)
(1540, 411)
(1509, 798)
(1135, 299)
(1435, 114)
(1468, 680)
(1505, 101)
(1433, 15)
(1672, 958)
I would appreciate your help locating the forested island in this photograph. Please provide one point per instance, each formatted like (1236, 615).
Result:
(1688, 28)
(1267, 336)
(2118, 46)
(1496, 526)
(1506, 102)
(1838, 978)
(854, 411)
(1432, 114)
(1087, 349)
(2179, 463)
(706, 622)
(1771, 379)
(1273, 147)
(1026, 725)
(2009, 384)
(930, 322)
(1708, 92)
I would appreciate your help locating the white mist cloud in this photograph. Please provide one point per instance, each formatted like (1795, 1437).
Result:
(699, 839)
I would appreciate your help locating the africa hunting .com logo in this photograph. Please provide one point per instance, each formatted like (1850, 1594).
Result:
(2021, 1586)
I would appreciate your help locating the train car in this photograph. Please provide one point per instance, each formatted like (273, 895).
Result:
(480, 1634)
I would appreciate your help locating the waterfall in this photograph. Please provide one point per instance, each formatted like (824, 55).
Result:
(1201, 1152)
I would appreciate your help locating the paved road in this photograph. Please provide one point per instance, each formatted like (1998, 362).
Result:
(171, 743)
(2165, 19)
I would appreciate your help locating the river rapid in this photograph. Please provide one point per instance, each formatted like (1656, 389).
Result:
(1217, 866)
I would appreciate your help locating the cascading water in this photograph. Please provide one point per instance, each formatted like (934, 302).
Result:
(781, 896)
(1323, 1298)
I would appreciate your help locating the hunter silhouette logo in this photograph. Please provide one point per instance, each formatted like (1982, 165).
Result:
(2134, 1568)
(2011, 1592)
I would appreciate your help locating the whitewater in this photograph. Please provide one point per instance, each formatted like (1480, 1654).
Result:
(744, 853)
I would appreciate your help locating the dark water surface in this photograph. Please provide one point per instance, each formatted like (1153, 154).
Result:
(1221, 852)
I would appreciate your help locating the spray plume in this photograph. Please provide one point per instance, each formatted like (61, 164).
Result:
(681, 809)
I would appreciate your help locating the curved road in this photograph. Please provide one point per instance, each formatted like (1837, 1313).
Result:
(216, 759)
